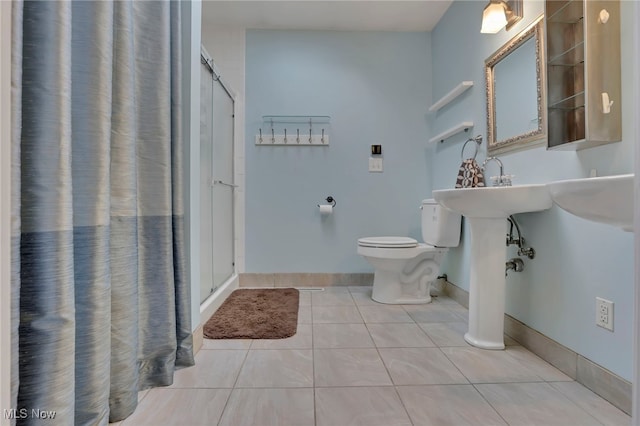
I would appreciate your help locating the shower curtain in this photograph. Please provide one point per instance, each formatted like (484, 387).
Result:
(101, 305)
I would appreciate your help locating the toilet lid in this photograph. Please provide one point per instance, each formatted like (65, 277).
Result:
(388, 242)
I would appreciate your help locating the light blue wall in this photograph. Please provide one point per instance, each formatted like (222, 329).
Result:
(376, 88)
(576, 260)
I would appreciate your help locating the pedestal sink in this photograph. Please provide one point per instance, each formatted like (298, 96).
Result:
(607, 199)
(486, 210)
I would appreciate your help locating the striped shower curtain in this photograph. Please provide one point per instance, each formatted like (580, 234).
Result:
(101, 305)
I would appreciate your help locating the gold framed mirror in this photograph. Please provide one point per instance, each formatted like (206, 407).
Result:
(516, 92)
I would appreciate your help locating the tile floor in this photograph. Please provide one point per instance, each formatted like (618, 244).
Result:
(356, 362)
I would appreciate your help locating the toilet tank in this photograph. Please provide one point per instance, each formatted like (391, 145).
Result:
(440, 226)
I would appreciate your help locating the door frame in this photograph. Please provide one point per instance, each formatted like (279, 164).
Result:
(5, 208)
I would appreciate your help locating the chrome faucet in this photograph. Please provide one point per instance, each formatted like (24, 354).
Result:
(502, 179)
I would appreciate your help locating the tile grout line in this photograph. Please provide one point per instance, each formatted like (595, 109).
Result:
(573, 402)
(438, 347)
(489, 403)
(395, 388)
(566, 395)
(235, 382)
(313, 358)
(313, 363)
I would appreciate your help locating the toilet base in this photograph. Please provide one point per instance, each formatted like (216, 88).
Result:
(388, 289)
(401, 301)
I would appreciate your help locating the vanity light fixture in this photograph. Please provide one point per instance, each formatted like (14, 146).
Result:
(500, 13)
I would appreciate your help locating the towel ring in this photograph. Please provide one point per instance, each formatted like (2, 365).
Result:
(477, 140)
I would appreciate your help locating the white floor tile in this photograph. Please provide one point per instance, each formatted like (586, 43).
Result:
(534, 404)
(384, 314)
(449, 405)
(431, 313)
(485, 366)
(335, 314)
(327, 336)
(593, 404)
(285, 407)
(213, 369)
(349, 367)
(420, 366)
(305, 298)
(446, 333)
(277, 368)
(364, 406)
(179, 407)
(360, 289)
(301, 340)
(363, 298)
(226, 343)
(332, 297)
(304, 314)
(399, 335)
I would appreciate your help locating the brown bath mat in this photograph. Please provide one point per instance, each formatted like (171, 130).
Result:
(269, 313)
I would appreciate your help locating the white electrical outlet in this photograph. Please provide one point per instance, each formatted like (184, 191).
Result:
(375, 165)
(604, 313)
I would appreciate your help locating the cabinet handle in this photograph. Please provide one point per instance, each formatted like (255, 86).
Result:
(606, 103)
(603, 16)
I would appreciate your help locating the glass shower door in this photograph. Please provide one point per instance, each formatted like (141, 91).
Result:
(216, 184)
(223, 186)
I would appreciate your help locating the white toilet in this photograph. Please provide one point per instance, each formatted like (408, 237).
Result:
(403, 268)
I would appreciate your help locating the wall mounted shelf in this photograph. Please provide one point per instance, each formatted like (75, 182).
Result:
(462, 127)
(292, 119)
(294, 130)
(457, 91)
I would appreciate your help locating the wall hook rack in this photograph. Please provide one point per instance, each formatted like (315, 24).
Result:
(281, 125)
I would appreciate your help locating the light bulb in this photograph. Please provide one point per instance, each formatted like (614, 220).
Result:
(494, 18)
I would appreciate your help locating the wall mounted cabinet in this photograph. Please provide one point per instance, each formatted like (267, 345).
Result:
(583, 73)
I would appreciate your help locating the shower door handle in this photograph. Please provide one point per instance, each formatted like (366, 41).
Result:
(219, 182)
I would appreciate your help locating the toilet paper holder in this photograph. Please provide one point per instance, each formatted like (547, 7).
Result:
(331, 200)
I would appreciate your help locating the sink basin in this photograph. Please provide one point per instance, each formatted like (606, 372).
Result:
(486, 210)
(607, 199)
(496, 202)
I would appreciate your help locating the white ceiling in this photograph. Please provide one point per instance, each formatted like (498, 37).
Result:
(345, 15)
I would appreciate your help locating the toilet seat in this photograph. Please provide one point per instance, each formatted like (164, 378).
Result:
(388, 242)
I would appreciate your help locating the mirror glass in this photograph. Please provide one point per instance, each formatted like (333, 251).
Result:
(516, 116)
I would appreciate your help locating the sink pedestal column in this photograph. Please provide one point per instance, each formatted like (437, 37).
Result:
(487, 282)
